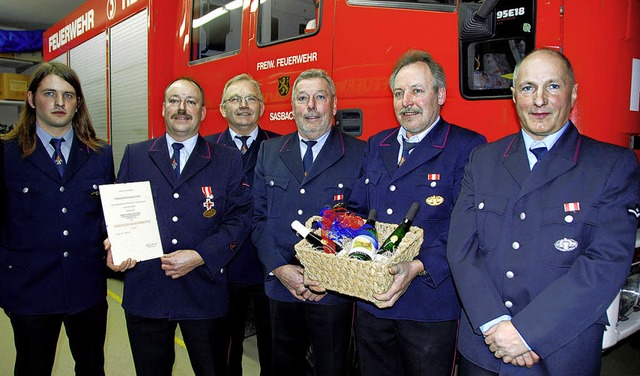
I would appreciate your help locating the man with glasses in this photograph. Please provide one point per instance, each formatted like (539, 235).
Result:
(242, 106)
(296, 176)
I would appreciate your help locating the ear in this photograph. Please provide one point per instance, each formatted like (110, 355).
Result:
(203, 113)
(574, 94)
(442, 96)
(513, 94)
(222, 110)
(30, 99)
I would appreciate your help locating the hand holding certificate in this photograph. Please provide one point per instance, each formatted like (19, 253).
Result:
(131, 220)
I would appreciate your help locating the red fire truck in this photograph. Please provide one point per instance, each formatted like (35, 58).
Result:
(127, 51)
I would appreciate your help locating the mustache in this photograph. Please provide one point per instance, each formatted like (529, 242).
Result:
(181, 114)
(404, 110)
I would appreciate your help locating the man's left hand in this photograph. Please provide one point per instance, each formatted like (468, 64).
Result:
(403, 274)
(179, 263)
(505, 342)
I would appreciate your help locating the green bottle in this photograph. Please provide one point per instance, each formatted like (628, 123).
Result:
(391, 244)
(365, 244)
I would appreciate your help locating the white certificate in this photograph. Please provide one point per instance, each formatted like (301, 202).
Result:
(131, 220)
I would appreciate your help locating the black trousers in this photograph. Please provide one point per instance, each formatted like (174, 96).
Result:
(153, 347)
(241, 297)
(326, 328)
(36, 339)
(467, 368)
(403, 347)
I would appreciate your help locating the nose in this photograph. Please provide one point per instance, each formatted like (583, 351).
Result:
(182, 105)
(311, 104)
(59, 100)
(539, 98)
(407, 99)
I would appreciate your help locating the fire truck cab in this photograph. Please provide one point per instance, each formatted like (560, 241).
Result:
(127, 51)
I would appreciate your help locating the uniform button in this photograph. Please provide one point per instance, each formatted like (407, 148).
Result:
(300, 211)
(392, 188)
(366, 181)
(175, 219)
(481, 205)
(523, 216)
(222, 271)
(174, 241)
(61, 189)
(66, 254)
(64, 210)
(271, 183)
(515, 245)
(508, 304)
(389, 211)
(510, 274)
(568, 218)
(95, 186)
(25, 190)
(302, 191)
(65, 232)
(10, 266)
(176, 195)
(340, 185)
(433, 184)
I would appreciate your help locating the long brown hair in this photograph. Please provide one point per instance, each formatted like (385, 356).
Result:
(25, 130)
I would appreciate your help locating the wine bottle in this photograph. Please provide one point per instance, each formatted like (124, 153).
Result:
(365, 243)
(318, 242)
(391, 243)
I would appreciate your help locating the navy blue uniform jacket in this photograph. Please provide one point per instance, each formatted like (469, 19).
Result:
(202, 293)
(283, 194)
(434, 169)
(245, 266)
(53, 258)
(550, 247)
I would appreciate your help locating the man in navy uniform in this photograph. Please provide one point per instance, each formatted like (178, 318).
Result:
(242, 106)
(52, 254)
(203, 206)
(296, 176)
(542, 235)
(413, 331)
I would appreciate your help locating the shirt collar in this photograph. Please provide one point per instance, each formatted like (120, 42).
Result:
(402, 135)
(189, 145)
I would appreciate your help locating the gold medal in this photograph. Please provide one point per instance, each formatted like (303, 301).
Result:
(434, 200)
(209, 213)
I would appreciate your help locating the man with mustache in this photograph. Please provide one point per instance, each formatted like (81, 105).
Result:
(52, 255)
(413, 332)
(296, 176)
(203, 206)
(242, 106)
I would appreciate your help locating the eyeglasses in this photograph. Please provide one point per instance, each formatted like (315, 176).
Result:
(238, 100)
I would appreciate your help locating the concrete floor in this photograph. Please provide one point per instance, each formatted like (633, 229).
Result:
(621, 360)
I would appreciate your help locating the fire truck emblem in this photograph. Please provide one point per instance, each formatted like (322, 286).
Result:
(284, 85)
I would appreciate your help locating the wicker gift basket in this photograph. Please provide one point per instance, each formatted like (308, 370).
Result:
(355, 277)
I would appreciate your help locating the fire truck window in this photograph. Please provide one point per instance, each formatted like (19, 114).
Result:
(437, 5)
(490, 65)
(216, 28)
(286, 19)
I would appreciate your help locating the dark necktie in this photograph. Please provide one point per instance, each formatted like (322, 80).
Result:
(406, 148)
(244, 147)
(539, 152)
(307, 161)
(175, 159)
(58, 157)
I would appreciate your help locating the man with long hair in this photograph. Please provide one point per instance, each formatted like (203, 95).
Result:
(52, 255)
